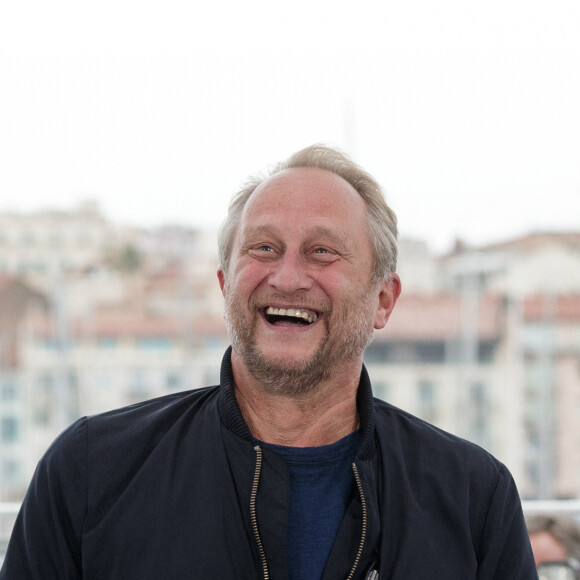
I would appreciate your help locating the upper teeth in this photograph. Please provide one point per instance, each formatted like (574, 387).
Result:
(309, 316)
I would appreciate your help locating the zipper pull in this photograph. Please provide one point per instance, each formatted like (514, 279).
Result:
(372, 575)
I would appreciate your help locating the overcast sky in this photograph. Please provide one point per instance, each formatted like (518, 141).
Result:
(468, 112)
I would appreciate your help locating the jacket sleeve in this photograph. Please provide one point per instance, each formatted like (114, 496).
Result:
(46, 539)
(505, 550)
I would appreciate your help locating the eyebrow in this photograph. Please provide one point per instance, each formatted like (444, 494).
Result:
(335, 236)
(257, 230)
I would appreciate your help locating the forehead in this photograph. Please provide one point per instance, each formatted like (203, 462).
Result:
(306, 193)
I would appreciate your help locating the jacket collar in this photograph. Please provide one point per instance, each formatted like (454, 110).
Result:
(232, 416)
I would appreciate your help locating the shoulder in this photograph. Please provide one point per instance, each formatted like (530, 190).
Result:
(139, 424)
(446, 472)
(103, 454)
(420, 442)
(155, 413)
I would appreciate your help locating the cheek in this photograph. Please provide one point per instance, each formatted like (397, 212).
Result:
(349, 288)
(247, 277)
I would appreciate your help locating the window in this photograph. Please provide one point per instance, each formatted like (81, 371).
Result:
(407, 352)
(108, 342)
(8, 390)
(84, 239)
(381, 390)
(55, 240)
(138, 387)
(8, 429)
(154, 343)
(431, 352)
(28, 239)
(376, 352)
(427, 401)
(173, 381)
(45, 383)
(41, 414)
(479, 406)
(214, 343)
(10, 471)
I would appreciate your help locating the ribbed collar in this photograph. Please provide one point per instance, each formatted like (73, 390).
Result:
(232, 416)
(228, 405)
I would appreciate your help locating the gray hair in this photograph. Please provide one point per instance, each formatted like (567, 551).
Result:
(382, 221)
(563, 529)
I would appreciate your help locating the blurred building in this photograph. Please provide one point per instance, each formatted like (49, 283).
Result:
(551, 351)
(63, 368)
(418, 267)
(484, 342)
(539, 263)
(440, 361)
(17, 300)
(35, 246)
(539, 277)
(94, 317)
(114, 358)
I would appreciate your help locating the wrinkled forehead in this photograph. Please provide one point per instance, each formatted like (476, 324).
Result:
(312, 190)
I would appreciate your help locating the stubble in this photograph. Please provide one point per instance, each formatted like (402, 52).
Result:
(348, 331)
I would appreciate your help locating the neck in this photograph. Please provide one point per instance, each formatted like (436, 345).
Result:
(324, 416)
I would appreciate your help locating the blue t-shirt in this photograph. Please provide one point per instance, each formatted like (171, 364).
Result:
(321, 487)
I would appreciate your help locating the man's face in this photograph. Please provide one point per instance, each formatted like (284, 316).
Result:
(299, 296)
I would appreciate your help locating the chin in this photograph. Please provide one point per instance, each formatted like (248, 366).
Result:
(285, 361)
(289, 376)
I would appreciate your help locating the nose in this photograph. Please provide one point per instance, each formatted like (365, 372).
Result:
(290, 275)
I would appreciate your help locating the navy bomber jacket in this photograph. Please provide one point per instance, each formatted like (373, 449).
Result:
(176, 488)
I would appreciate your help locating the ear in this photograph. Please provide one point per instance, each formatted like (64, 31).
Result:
(222, 280)
(388, 295)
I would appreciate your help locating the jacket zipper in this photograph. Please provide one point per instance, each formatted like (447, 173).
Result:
(363, 536)
(253, 516)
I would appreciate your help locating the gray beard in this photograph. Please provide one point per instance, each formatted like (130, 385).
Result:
(354, 323)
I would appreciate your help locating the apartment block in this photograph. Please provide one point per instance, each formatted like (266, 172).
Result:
(484, 343)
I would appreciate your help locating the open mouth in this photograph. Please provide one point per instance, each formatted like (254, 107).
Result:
(299, 316)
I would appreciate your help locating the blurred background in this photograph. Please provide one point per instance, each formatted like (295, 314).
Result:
(126, 126)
